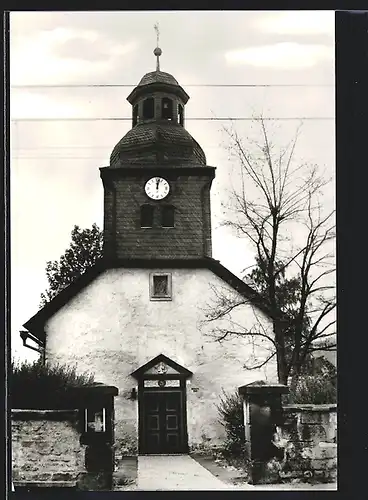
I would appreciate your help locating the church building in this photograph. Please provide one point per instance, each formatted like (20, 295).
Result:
(138, 319)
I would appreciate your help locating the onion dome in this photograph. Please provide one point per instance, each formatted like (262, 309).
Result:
(156, 143)
(158, 136)
(157, 76)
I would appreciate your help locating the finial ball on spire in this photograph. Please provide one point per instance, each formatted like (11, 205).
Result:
(157, 50)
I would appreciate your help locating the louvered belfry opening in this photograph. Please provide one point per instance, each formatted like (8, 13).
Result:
(135, 115)
(181, 115)
(148, 108)
(167, 109)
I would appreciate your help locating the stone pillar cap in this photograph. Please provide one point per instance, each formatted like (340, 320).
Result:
(262, 387)
(98, 388)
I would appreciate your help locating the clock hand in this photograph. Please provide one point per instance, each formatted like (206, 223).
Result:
(157, 183)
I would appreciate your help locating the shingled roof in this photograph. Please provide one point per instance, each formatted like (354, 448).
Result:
(158, 80)
(157, 76)
(158, 142)
(35, 325)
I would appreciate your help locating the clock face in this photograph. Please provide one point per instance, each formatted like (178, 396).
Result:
(157, 188)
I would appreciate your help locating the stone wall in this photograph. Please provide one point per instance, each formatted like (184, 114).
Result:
(46, 447)
(309, 438)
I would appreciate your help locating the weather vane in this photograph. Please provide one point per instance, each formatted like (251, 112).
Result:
(157, 50)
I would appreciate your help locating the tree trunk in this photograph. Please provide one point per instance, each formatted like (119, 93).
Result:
(280, 353)
(282, 376)
(294, 381)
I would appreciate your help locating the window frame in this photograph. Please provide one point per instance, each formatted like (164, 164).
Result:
(181, 114)
(157, 298)
(148, 105)
(167, 207)
(135, 116)
(89, 429)
(170, 112)
(141, 209)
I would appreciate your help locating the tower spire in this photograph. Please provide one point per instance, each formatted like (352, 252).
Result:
(157, 50)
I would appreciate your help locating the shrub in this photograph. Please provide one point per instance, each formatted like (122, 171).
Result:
(316, 385)
(231, 411)
(313, 389)
(45, 386)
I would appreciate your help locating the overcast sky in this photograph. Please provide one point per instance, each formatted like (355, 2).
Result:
(55, 181)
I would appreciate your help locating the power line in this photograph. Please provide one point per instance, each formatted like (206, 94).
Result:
(237, 118)
(56, 157)
(78, 147)
(28, 153)
(49, 158)
(60, 147)
(61, 158)
(118, 85)
(52, 148)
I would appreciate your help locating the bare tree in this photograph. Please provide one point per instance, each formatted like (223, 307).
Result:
(279, 208)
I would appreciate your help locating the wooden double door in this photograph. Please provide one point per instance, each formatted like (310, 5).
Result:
(163, 422)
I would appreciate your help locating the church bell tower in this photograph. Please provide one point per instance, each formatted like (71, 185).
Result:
(157, 186)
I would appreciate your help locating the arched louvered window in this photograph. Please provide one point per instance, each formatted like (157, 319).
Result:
(148, 108)
(167, 216)
(135, 115)
(147, 215)
(181, 115)
(167, 109)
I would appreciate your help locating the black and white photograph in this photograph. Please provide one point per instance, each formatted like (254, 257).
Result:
(173, 253)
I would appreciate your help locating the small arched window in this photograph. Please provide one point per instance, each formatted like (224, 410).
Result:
(135, 115)
(147, 215)
(167, 216)
(148, 108)
(167, 109)
(181, 115)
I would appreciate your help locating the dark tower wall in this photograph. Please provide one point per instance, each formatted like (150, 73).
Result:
(189, 195)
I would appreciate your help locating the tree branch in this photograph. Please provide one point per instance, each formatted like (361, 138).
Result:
(260, 365)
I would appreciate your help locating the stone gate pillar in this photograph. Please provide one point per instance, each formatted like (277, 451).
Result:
(262, 413)
(96, 406)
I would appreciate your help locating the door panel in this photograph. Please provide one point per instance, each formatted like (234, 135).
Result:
(172, 442)
(153, 423)
(163, 419)
(153, 440)
(172, 402)
(172, 422)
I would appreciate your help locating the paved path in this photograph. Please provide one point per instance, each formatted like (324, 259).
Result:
(176, 472)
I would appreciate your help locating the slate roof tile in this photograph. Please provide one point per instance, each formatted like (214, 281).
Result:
(166, 142)
(158, 76)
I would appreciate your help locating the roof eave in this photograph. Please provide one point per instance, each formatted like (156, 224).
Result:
(171, 171)
(239, 285)
(35, 324)
(139, 372)
(151, 87)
